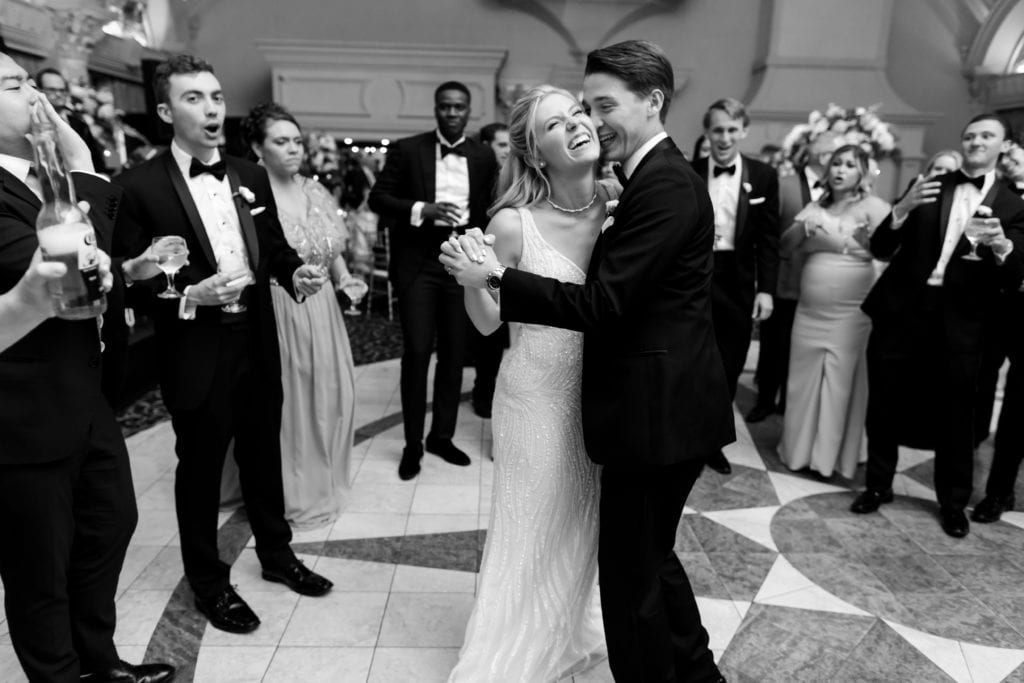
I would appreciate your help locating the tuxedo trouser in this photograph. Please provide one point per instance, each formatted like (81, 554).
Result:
(773, 359)
(65, 531)
(651, 620)
(997, 348)
(489, 349)
(234, 408)
(432, 308)
(950, 399)
(731, 311)
(1009, 442)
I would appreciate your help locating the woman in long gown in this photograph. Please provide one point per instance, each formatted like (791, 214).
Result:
(827, 396)
(537, 615)
(316, 360)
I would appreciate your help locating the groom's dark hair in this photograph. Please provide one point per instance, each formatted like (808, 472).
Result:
(172, 66)
(640, 64)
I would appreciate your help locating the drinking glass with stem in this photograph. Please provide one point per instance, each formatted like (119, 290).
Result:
(171, 254)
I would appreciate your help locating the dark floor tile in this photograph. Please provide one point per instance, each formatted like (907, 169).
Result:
(985, 573)
(833, 505)
(686, 541)
(458, 550)
(911, 573)
(742, 572)
(1010, 608)
(883, 655)
(797, 509)
(744, 488)
(923, 473)
(873, 535)
(703, 579)
(843, 575)
(929, 536)
(961, 617)
(803, 536)
(384, 550)
(715, 538)
(783, 644)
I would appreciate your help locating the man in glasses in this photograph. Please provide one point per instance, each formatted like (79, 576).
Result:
(52, 83)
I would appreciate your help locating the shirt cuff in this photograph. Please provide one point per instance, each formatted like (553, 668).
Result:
(416, 217)
(186, 309)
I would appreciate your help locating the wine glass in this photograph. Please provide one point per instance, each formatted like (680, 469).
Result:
(171, 253)
(972, 231)
(231, 262)
(355, 289)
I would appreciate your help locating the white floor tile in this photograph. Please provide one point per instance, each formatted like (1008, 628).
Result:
(439, 524)
(320, 665)
(367, 525)
(138, 612)
(381, 498)
(425, 620)
(420, 664)
(234, 664)
(441, 499)
(356, 576)
(428, 580)
(337, 619)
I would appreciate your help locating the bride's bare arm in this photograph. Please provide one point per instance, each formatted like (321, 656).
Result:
(483, 309)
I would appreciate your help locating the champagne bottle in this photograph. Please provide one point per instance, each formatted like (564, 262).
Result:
(65, 232)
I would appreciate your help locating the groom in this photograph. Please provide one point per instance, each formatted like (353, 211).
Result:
(655, 399)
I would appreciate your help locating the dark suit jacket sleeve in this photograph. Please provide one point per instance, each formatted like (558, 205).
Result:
(641, 249)
(390, 196)
(1011, 272)
(768, 237)
(885, 241)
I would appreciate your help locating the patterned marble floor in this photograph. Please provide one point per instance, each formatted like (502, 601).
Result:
(791, 586)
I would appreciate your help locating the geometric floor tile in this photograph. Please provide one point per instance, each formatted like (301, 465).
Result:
(946, 653)
(754, 523)
(787, 587)
(789, 488)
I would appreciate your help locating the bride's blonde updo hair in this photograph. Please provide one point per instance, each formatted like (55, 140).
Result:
(522, 181)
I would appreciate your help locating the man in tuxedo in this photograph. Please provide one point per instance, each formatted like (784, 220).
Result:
(656, 401)
(433, 185)
(795, 192)
(219, 370)
(1008, 342)
(66, 495)
(53, 84)
(931, 313)
(745, 196)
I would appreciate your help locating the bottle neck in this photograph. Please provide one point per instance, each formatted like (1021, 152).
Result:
(54, 178)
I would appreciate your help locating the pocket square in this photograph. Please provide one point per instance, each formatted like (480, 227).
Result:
(256, 211)
(754, 201)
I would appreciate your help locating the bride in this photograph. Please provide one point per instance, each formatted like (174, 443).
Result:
(537, 615)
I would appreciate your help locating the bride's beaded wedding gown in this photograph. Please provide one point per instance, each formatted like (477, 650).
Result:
(537, 617)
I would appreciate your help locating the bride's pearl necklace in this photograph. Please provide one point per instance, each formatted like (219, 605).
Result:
(579, 210)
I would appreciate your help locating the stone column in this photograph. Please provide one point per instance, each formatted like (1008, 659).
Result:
(814, 52)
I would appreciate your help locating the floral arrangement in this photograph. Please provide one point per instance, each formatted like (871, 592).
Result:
(860, 126)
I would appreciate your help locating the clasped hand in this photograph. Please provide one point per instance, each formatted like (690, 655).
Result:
(469, 257)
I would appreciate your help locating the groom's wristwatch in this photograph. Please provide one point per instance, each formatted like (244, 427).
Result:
(494, 278)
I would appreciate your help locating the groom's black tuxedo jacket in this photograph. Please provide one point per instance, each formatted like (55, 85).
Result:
(654, 391)
(408, 177)
(970, 289)
(157, 202)
(50, 379)
(757, 229)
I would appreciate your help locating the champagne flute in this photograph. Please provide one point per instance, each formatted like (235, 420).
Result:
(171, 253)
(355, 288)
(230, 262)
(972, 231)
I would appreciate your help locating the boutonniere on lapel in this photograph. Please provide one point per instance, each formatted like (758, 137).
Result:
(609, 211)
(748, 188)
(246, 195)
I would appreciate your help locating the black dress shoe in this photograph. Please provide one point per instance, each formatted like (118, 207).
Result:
(227, 611)
(760, 413)
(954, 523)
(719, 464)
(447, 450)
(991, 508)
(128, 673)
(299, 578)
(871, 500)
(410, 465)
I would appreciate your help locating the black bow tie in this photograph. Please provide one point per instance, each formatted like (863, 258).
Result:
(820, 185)
(620, 174)
(217, 170)
(459, 149)
(719, 170)
(964, 178)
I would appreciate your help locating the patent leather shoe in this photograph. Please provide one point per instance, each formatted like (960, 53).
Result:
(870, 500)
(299, 578)
(991, 508)
(954, 523)
(227, 611)
(719, 464)
(447, 451)
(409, 467)
(131, 673)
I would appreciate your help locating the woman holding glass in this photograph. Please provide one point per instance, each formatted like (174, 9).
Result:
(826, 397)
(316, 360)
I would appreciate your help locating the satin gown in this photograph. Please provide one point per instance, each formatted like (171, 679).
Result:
(537, 615)
(317, 374)
(827, 391)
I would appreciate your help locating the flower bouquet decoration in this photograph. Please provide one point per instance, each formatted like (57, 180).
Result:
(858, 126)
